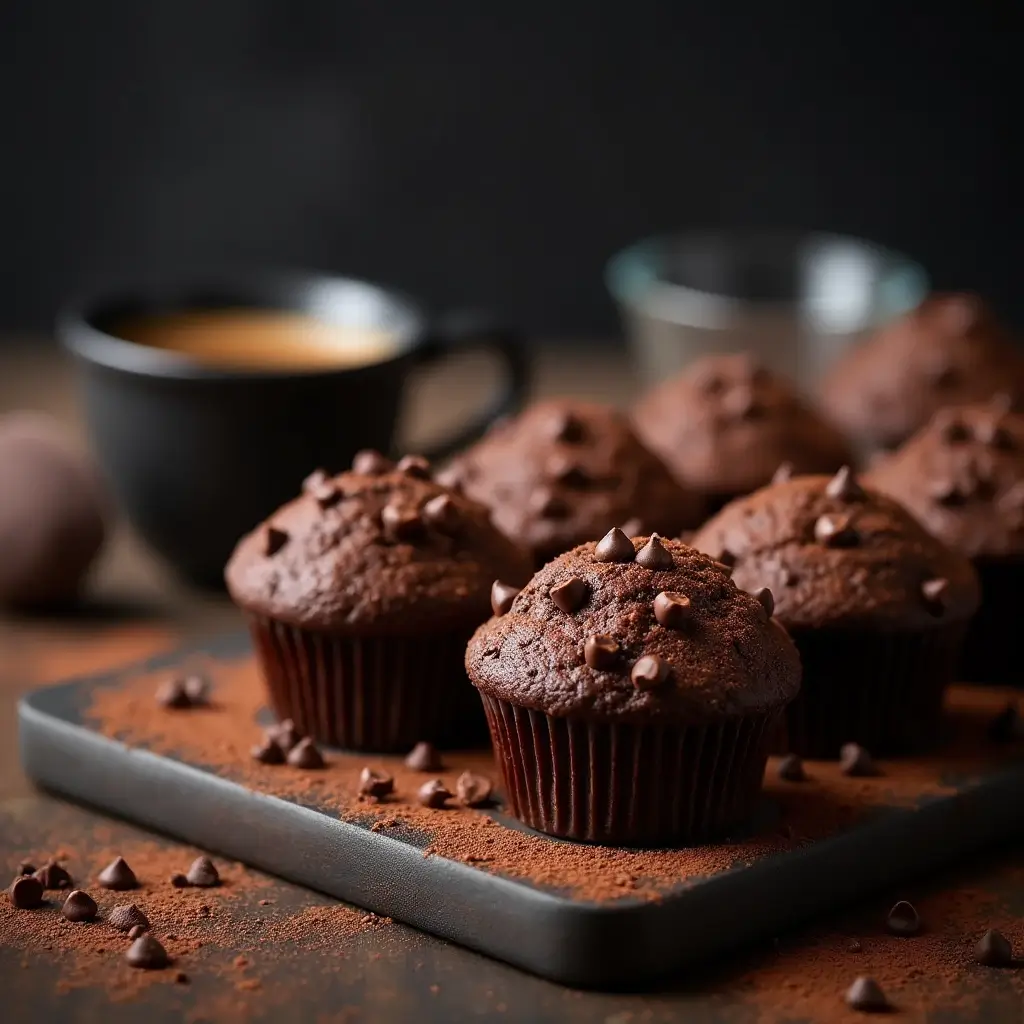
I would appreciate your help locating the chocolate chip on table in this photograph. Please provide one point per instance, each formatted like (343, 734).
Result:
(117, 875)
(791, 769)
(285, 734)
(371, 463)
(274, 538)
(179, 881)
(614, 546)
(441, 514)
(835, 532)
(569, 595)
(267, 751)
(903, 919)
(783, 473)
(654, 555)
(844, 486)
(855, 761)
(473, 790)
(502, 596)
(766, 600)
(375, 783)
(138, 930)
(424, 757)
(414, 466)
(305, 754)
(866, 995)
(53, 876)
(26, 892)
(993, 950)
(433, 794)
(79, 906)
(601, 652)
(171, 694)
(672, 609)
(401, 523)
(126, 916)
(649, 672)
(935, 593)
(203, 873)
(1006, 726)
(147, 953)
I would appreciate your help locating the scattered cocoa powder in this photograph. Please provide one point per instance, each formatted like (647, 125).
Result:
(220, 737)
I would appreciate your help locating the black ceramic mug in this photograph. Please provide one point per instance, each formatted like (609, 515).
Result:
(198, 455)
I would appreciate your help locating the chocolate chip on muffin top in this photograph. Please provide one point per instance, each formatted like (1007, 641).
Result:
(566, 471)
(950, 350)
(380, 548)
(835, 553)
(962, 477)
(649, 630)
(726, 424)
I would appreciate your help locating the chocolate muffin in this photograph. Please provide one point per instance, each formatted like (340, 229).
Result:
(564, 472)
(877, 607)
(726, 424)
(962, 476)
(951, 350)
(630, 689)
(361, 595)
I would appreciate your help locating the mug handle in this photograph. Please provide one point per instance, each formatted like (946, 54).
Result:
(468, 330)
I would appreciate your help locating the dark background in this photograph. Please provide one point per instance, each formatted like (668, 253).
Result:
(492, 152)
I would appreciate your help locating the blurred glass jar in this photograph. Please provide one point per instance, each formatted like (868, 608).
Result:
(794, 300)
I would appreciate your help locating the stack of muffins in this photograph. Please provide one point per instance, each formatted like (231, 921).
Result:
(634, 687)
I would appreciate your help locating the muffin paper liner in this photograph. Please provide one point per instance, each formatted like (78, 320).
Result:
(628, 785)
(994, 649)
(381, 694)
(881, 690)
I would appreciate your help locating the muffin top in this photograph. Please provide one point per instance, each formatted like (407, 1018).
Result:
(640, 631)
(726, 424)
(949, 351)
(962, 476)
(382, 548)
(563, 472)
(836, 554)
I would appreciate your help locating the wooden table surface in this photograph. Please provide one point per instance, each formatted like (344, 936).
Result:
(136, 608)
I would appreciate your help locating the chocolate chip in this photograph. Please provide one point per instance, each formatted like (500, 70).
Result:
(866, 995)
(569, 428)
(654, 555)
(147, 954)
(569, 595)
(197, 688)
(601, 652)
(401, 523)
(171, 694)
(614, 546)
(414, 466)
(305, 754)
(935, 593)
(903, 919)
(53, 876)
(835, 532)
(424, 757)
(371, 463)
(633, 527)
(502, 596)
(549, 505)
(473, 790)
(855, 761)
(1006, 726)
(791, 769)
(179, 881)
(766, 600)
(274, 538)
(79, 906)
(117, 875)
(375, 783)
(672, 609)
(649, 672)
(26, 868)
(26, 892)
(993, 950)
(284, 734)
(442, 515)
(203, 873)
(433, 794)
(267, 751)
(844, 487)
(138, 930)
(126, 916)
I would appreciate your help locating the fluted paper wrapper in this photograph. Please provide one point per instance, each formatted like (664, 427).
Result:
(881, 690)
(377, 694)
(994, 649)
(628, 785)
